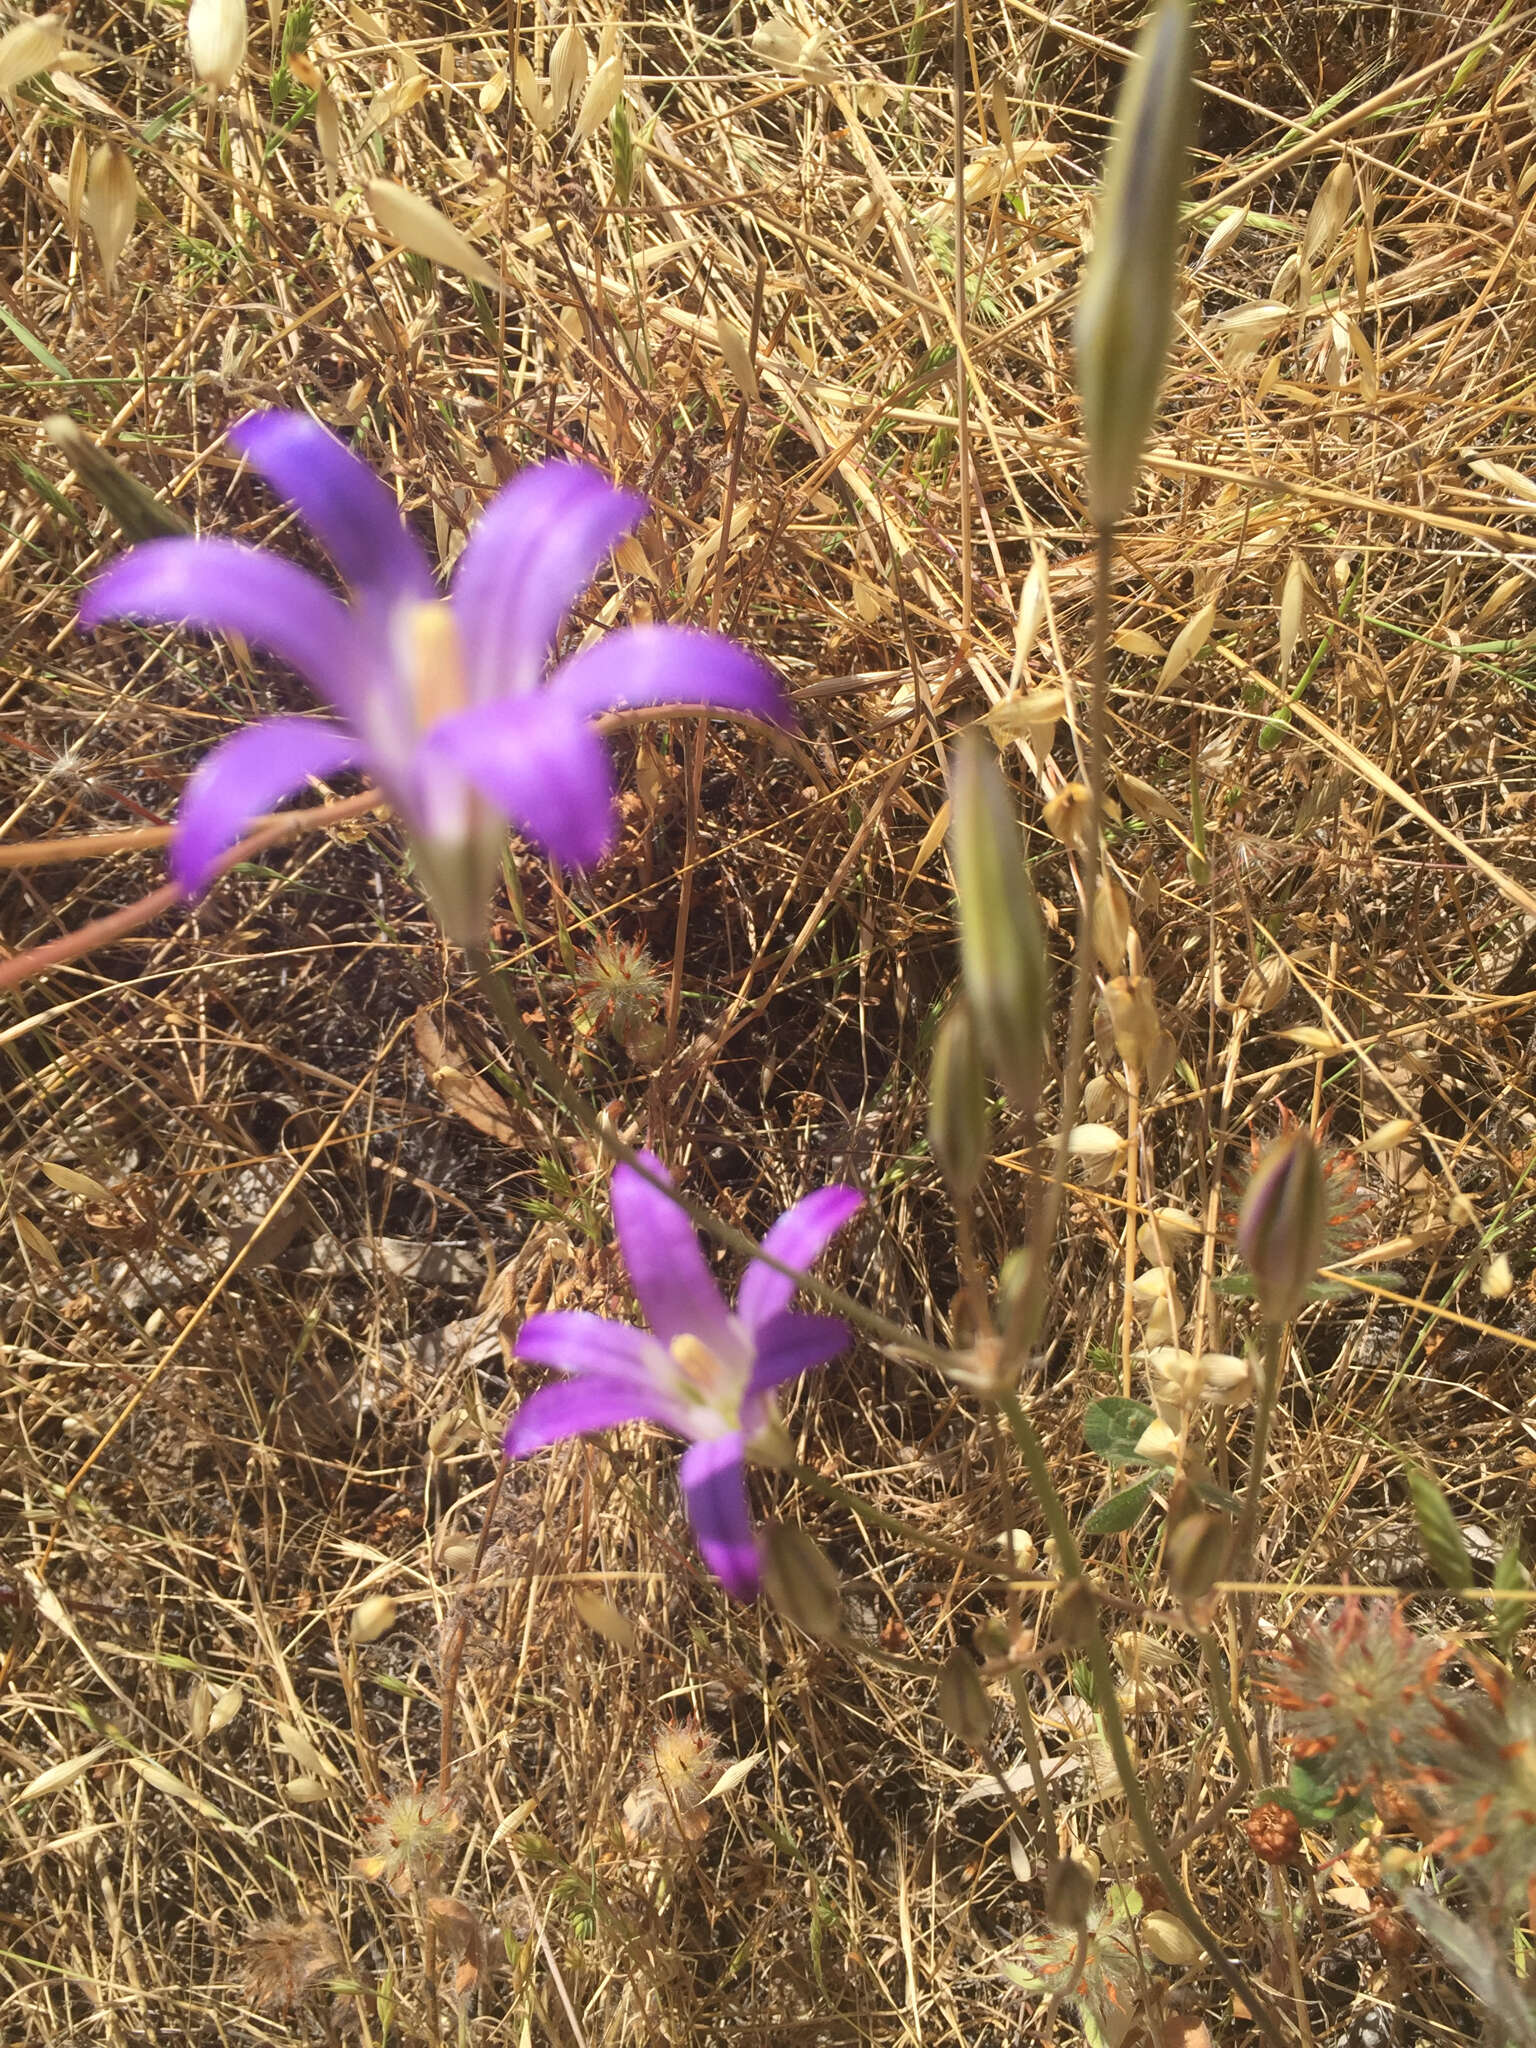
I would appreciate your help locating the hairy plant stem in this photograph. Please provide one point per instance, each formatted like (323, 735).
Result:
(1106, 1700)
(498, 994)
(1258, 1456)
(1024, 1322)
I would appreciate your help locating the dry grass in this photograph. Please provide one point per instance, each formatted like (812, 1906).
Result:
(216, 1450)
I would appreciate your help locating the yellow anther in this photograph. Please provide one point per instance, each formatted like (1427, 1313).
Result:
(697, 1363)
(434, 662)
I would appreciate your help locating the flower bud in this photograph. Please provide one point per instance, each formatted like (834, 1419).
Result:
(1281, 1224)
(1126, 303)
(111, 199)
(216, 31)
(802, 1581)
(1002, 947)
(957, 1104)
(962, 1703)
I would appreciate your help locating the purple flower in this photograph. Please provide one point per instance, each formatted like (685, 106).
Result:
(702, 1370)
(444, 702)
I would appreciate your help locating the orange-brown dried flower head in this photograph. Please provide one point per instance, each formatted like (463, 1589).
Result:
(1274, 1833)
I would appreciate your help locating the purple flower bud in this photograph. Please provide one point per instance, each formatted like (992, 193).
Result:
(1281, 1224)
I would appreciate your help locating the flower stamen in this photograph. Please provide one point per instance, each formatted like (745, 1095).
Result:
(434, 663)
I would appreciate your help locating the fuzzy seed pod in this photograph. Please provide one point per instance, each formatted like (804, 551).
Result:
(1126, 304)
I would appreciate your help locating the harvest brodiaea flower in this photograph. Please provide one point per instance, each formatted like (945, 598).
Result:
(702, 1370)
(443, 701)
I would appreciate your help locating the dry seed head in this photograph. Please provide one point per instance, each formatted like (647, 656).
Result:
(1167, 1938)
(601, 97)
(1125, 306)
(1002, 946)
(1111, 923)
(1067, 813)
(408, 1839)
(568, 65)
(1133, 1019)
(31, 46)
(283, 1963)
(1068, 1893)
(216, 34)
(111, 197)
(1265, 986)
(417, 224)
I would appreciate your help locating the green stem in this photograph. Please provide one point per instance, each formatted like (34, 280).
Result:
(1258, 1457)
(1107, 1701)
(1024, 1323)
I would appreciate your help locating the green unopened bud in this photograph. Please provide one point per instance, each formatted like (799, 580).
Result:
(802, 1581)
(1281, 1225)
(958, 1120)
(1068, 1894)
(962, 1703)
(1196, 1554)
(1126, 303)
(1002, 946)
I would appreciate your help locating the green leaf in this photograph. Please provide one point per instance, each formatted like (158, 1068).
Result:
(1438, 1531)
(1508, 1616)
(1114, 1427)
(1120, 1512)
(1311, 1796)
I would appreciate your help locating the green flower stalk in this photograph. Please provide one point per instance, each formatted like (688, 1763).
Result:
(1002, 945)
(1126, 303)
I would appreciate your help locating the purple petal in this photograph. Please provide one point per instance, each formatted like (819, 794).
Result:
(645, 665)
(550, 773)
(672, 1284)
(798, 1239)
(242, 777)
(790, 1344)
(574, 1407)
(350, 511)
(714, 1482)
(534, 550)
(217, 586)
(570, 1340)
